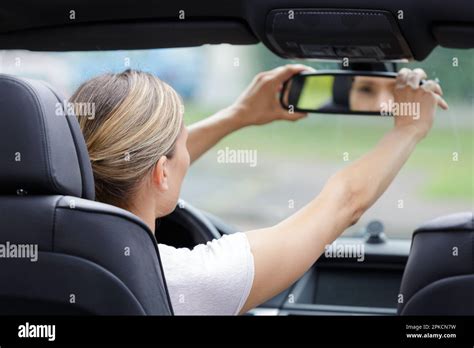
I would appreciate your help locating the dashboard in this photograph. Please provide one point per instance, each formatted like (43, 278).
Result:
(344, 285)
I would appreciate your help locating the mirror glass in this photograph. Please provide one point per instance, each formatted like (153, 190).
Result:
(340, 92)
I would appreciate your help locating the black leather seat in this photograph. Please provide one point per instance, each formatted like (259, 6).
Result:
(439, 275)
(92, 258)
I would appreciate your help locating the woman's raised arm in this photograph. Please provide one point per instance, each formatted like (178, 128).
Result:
(284, 252)
(257, 105)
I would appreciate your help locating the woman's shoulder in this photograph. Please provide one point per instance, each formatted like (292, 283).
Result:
(211, 278)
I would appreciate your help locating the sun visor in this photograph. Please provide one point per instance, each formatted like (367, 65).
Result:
(360, 35)
(454, 35)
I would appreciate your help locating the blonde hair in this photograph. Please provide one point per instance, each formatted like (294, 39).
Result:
(137, 120)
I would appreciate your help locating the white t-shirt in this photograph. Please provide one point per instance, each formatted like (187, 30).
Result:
(211, 279)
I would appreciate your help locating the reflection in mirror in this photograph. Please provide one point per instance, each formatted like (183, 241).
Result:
(316, 92)
(341, 92)
(369, 93)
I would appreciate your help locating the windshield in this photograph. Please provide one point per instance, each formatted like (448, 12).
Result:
(286, 164)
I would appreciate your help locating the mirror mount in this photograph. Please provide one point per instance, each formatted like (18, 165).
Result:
(367, 66)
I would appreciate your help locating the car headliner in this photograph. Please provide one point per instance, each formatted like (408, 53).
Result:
(119, 24)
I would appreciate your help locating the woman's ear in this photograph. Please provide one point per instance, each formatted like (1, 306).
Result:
(160, 174)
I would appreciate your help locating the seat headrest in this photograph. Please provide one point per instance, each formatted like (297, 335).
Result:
(42, 150)
(463, 221)
(441, 250)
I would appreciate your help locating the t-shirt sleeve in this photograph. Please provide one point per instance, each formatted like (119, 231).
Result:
(211, 279)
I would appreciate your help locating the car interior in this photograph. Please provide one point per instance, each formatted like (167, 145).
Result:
(49, 199)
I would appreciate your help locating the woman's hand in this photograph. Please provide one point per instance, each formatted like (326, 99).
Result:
(259, 103)
(423, 98)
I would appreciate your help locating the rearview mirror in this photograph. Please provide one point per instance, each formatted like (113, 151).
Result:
(340, 92)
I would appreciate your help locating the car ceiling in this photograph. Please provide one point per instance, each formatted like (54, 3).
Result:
(120, 24)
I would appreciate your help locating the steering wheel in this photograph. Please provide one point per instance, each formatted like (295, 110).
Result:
(185, 227)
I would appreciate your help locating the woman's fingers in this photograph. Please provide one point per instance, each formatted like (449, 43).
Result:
(442, 103)
(421, 72)
(293, 116)
(402, 76)
(433, 86)
(410, 77)
(283, 73)
(414, 78)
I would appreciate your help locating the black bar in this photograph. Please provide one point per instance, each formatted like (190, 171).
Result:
(247, 329)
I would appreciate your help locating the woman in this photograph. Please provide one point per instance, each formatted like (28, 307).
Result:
(140, 151)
